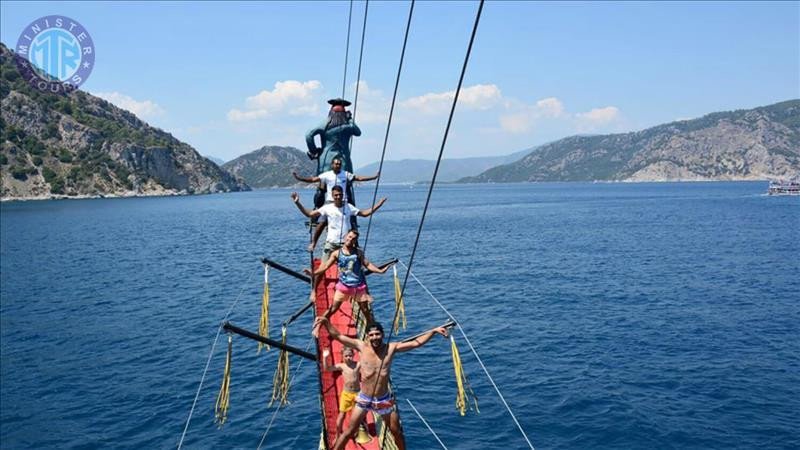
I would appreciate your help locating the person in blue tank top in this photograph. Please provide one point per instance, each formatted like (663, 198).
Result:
(352, 281)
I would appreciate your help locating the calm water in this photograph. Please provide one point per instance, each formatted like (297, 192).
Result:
(610, 315)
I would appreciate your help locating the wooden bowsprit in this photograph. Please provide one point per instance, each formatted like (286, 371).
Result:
(331, 382)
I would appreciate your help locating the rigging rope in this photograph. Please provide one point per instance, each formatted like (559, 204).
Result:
(208, 361)
(474, 352)
(347, 48)
(444, 141)
(360, 58)
(345, 199)
(436, 170)
(389, 122)
(426, 424)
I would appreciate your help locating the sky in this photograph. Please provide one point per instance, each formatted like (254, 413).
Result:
(229, 78)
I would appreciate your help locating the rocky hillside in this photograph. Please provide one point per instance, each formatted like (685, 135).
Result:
(759, 143)
(78, 145)
(271, 166)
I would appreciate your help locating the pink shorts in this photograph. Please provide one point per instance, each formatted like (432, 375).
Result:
(347, 290)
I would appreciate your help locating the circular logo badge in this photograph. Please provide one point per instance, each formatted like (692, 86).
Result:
(55, 53)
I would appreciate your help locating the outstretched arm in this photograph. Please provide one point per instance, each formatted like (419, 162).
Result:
(370, 211)
(325, 366)
(372, 267)
(324, 266)
(360, 178)
(345, 340)
(419, 341)
(307, 213)
(297, 177)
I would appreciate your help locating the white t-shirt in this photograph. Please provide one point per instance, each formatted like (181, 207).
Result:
(332, 179)
(338, 223)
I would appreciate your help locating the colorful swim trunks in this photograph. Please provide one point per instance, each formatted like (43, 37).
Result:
(347, 290)
(347, 400)
(381, 406)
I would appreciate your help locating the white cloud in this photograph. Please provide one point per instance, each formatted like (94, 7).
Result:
(550, 107)
(522, 118)
(478, 97)
(373, 106)
(143, 109)
(599, 116)
(292, 97)
(517, 123)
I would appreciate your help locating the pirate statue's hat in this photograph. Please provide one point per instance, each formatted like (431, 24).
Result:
(338, 102)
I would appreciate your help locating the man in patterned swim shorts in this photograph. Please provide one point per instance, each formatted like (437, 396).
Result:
(375, 364)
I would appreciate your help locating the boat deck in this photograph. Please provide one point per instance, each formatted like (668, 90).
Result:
(345, 321)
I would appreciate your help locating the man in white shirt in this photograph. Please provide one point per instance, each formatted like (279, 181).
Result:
(337, 214)
(334, 177)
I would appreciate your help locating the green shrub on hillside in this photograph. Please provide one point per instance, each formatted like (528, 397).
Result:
(19, 173)
(49, 175)
(64, 156)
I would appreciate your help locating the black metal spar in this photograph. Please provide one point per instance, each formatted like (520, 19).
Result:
(256, 337)
(286, 270)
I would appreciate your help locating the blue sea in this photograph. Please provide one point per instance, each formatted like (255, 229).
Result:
(630, 316)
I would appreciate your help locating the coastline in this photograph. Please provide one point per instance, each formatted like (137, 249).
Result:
(132, 194)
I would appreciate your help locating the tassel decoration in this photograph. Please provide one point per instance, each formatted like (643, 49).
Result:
(263, 325)
(400, 309)
(280, 382)
(462, 402)
(223, 398)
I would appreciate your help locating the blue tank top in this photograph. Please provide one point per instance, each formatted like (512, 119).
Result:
(350, 273)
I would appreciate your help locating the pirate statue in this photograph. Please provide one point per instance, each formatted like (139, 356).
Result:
(335, 136)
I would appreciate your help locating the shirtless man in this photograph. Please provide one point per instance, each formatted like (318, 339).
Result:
(351, 382)
(374, 395)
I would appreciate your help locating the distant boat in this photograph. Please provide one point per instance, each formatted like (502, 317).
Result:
(784, 187)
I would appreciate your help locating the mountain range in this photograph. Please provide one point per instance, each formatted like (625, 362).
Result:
(749, 144)
(452, 169)
(271, 166)
(78, 145)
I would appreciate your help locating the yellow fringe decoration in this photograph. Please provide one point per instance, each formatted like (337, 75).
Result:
(385, 437)
(263, 325)
(462, 402)
(359, 320)
(223, 399)
(400, 309)
(280, 382)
